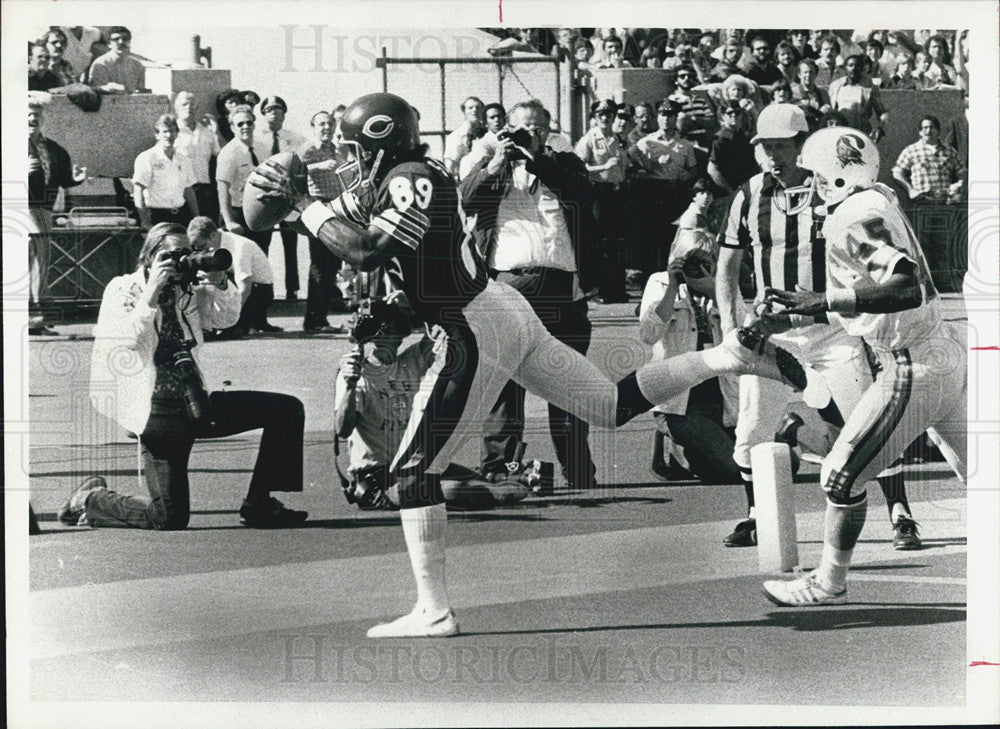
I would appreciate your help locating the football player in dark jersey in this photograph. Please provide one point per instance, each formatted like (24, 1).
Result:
(402, 210)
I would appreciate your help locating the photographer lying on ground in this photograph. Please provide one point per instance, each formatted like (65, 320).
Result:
(375, 393)
(145, 376)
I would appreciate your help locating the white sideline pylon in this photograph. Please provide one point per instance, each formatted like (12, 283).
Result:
(774, 504)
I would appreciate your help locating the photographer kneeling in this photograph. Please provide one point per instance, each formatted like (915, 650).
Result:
(145, 376)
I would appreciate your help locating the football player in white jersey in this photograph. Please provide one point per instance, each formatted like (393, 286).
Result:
(878, 288)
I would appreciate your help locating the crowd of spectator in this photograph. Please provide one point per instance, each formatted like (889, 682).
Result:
(642, 159)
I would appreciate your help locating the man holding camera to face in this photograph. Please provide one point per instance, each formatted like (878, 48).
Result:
(537, 218)
(145, 376)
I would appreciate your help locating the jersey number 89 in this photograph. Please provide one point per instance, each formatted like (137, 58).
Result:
(404, 193)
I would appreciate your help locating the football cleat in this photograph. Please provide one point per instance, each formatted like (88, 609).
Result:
(805, 590)
(744, 535)
(753, 354)
(904, 535)
(417, 624)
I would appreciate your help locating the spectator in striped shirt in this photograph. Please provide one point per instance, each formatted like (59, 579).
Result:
(772, 214)
(697, 111)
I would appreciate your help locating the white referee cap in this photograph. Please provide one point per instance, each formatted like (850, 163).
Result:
(780, 121)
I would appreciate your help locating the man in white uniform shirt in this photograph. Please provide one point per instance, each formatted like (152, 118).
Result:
(164, 180)
(251, 272)
(273, 137)
(199, 142)
(605, 158)
(237, 161)
(669, 164)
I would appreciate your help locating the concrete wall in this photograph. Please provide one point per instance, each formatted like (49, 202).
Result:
(204, 83)
(106, 141)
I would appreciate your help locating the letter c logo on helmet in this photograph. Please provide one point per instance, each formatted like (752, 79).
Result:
(378, 126)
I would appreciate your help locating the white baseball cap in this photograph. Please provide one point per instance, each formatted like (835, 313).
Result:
(780, 121)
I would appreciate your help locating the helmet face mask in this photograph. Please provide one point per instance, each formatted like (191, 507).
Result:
(356, 170)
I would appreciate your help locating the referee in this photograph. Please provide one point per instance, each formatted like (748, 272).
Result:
(773, 213)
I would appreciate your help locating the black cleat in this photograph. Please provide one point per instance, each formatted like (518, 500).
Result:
(744, 535)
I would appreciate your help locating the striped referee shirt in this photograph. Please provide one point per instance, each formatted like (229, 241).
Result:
(788, 251)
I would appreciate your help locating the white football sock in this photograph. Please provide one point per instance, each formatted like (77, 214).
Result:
(424, 530)
(843, 524)
(663, 379)
(898, 510)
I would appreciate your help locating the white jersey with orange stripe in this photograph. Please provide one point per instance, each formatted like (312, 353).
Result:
(867, 236)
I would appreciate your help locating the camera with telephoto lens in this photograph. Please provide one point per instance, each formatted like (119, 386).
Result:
(196, 401)
(190, 262)
(520, 137)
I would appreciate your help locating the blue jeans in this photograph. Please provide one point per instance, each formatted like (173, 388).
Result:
(166, 444)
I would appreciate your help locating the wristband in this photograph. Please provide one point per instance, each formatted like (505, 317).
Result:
(842, 301)
(315, 215)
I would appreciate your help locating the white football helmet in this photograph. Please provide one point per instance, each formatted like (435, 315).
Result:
(842, 161)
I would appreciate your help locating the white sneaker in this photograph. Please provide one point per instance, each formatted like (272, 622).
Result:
(805, 590)
(418, 624)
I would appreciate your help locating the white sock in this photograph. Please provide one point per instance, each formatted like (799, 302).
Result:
(898, 511)
(424, 530)
(842, 528)
(663, 379)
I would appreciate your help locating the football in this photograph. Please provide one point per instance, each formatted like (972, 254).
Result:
(264, 212)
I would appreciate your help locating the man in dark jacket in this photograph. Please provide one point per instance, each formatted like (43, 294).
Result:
(536, 223)
(49, 168)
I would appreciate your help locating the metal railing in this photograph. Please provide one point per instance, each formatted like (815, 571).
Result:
(503, 65)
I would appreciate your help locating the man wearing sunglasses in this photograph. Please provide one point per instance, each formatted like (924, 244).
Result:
(118, 71)
(697, 109)
(237, 161)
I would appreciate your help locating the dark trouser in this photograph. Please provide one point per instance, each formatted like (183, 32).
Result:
(323, 267)
(550, 294)
(254, 311)
(609, 203)
(941, 229)
(290, 243)
(663, 202)
(261, 237)
(166, 446)
(208, 200)
(708, 446)
(181, 215)
(39, 258)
